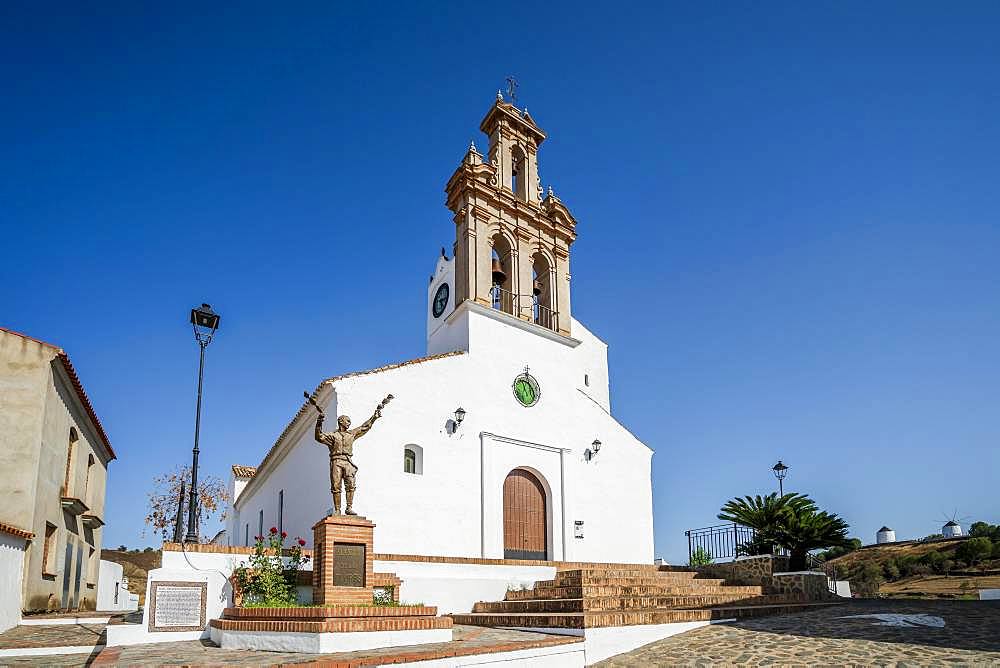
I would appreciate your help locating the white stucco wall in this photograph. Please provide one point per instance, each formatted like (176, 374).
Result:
(455, 507)
(111, 576)
(450, 587)
(219, 594)
(11, 569)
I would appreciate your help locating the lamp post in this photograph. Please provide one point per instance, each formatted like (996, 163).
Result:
(204, 321)
(780, 471)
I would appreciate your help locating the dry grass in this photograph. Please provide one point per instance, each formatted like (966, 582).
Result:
(932, 586)
(939, 585)
(135, 566)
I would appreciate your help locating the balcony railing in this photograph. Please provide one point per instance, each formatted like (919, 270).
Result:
(544, 316)
(503, 300)
(523, 305)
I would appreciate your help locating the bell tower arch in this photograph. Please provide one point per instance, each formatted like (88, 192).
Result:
(503, 217)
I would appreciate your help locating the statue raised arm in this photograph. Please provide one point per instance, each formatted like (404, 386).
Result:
(340, 444)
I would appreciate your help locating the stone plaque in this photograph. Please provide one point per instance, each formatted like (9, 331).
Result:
(177, 606)
(348, 565)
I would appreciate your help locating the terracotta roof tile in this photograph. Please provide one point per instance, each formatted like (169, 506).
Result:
(244, 471)
(12, 530)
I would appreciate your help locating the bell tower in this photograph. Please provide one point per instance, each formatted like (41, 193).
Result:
(512, 241)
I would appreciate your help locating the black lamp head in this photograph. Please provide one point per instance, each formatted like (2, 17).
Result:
(204, 316)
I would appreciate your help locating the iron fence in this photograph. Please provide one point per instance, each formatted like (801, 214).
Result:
(720, 541)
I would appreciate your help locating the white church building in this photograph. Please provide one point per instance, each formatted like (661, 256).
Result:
(500, 443)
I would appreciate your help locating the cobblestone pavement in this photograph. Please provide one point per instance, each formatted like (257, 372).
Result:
(52, 636)
(201, 653)
(970, 636)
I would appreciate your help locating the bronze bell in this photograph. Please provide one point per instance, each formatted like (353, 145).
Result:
(536, 287)
(499, 276)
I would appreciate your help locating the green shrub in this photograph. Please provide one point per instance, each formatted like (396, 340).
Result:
(383, 597)
(985, 530)
(932, 559)
(890, 570)
(700, 557)
(267, 580)
(975, 550)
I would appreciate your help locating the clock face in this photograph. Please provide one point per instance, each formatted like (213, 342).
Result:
(440, 300)
(526, 390)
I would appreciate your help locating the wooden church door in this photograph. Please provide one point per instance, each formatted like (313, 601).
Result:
(524, 517)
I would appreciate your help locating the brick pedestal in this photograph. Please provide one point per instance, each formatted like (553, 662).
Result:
(344, 540)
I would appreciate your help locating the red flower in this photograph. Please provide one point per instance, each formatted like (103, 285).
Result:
(284, 535)
(302, 542)
(274, 530)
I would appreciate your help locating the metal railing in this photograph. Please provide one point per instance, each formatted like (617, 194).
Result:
(720, 541)
(524, 306)
(544, 316)
(503, 300)
(723, 541)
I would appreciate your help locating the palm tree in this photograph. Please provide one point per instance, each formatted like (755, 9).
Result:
(791, 521)
(764, 514)
(807, 529)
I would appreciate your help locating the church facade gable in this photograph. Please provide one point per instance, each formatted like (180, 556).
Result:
(501, 443)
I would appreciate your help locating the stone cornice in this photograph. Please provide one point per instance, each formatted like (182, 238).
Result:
(552, 217)
(513, 321)
(525, 125)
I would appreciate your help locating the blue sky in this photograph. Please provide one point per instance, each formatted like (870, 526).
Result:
(789, 225)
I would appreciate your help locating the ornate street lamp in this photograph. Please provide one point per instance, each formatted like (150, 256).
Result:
(205, 322)
(780, 471)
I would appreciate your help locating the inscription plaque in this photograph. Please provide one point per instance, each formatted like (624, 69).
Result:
(177, 606)
(348, 565)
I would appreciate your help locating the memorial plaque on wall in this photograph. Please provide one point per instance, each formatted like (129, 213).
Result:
(348, 565)
(177, 606)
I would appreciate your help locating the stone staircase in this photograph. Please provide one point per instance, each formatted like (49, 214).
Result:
(625, 596)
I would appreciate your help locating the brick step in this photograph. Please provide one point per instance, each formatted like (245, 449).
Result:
(625, 573)
(580, 620)
(334, 625)
(638, 590)
(618, 603)
(653, 579)
(326, 613)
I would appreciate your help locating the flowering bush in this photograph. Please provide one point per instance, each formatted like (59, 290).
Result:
(268, 580)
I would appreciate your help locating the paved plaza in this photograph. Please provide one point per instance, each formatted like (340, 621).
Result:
(468, 640)
(891, 633)
(862, 632)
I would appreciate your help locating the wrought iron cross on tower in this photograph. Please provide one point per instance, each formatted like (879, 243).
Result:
(512, 90)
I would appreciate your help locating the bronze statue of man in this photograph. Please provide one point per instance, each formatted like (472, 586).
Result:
(341, 446)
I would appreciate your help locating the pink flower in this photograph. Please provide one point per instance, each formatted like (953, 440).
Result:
(284, 535)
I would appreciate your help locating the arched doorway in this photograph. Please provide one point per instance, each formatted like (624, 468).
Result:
(525, 520)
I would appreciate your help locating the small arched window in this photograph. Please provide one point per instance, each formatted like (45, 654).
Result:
(86, 484)
(413, 459)
(73, 440)
(518, 174)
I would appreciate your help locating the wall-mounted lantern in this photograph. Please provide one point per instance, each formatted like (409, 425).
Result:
(592, 451)
(459, 416)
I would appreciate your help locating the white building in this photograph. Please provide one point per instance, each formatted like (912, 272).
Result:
(112, 589)
(538, 468)
(885, 535)
(951, 529)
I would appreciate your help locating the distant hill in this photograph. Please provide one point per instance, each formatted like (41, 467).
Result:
(135, 566)
(915, 569)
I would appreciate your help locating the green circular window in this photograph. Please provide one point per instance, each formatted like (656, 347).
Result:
(526, 390)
